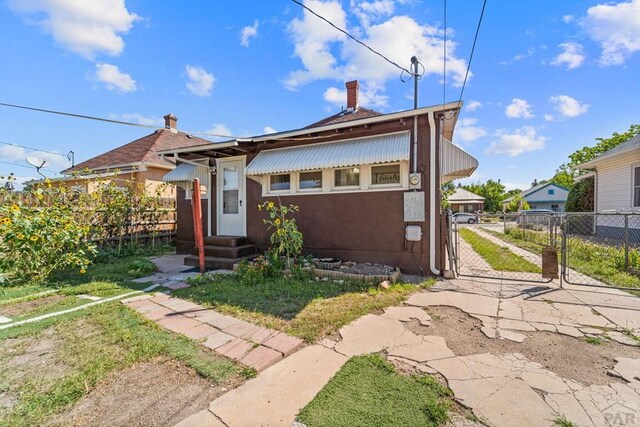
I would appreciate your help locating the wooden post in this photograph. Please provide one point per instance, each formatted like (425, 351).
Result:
(196, 207)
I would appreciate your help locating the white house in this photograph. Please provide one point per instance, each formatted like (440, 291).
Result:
(547, 195)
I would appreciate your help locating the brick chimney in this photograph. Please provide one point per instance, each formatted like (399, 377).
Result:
(352, 94)
(170, 122)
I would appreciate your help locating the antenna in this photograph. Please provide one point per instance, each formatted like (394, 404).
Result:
(37, 163)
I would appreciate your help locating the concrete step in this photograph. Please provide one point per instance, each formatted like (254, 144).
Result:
(228, 251)
(217, 263)
(225, 241)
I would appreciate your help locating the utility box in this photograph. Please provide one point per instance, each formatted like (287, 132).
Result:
(413, 233)
(414, 209)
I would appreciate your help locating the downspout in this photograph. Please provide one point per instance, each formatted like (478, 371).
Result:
(432, 193)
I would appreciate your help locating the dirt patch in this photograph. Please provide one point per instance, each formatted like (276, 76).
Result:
(160, 392)
(571, 358)
(26, 307)
(32, 358)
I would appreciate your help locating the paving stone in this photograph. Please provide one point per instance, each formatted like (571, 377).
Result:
(591, 331)
(286, 344)
(544, 327)
(260, 335)
(545, 380)
(506, 334)
(197, 313)
(627, 368)
(328, 343)
(429, 348)
(159, 313)
(137, 298)
(489, 332)
(241, 329)
(177, 285)
(200, 331)
(261, 358)
(469, 303)
(178, 324)
(568, 405)
(217, 339)
(471, 392)
(278, 394)
(139, 303)
(159, 298)
(622, 338)
(485, 365)
(150, 307)
(623, 318)
(570, 331)
(204, 418)
(516, 325)
(235, 349)
(516, 404)
(406, 314)
(215, 319)
(371, 334)
(157, 277)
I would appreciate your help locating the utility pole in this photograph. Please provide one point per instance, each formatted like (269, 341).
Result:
(414, 65)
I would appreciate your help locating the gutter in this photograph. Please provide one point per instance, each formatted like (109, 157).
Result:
(432, 193)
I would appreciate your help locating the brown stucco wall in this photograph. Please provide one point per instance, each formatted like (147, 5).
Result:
(364, 226)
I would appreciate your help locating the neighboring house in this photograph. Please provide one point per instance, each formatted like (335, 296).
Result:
(351, 174)
(547, 195)
(465, 201)
(136, 162)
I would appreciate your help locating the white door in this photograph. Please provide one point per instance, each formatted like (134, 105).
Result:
(231, 206)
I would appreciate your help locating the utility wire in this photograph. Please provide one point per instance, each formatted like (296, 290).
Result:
(22, 166)
(473, 48)
(350, 36)
(444, 58)
(102, 119)
(31, 148)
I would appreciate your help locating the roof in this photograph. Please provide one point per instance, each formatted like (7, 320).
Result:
(534, 189)
(631, 144)
(141, 151)
(455, 162)
(463, 195)
(346, 116)
(387, 148)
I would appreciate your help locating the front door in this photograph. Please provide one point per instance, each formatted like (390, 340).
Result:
(231, 206)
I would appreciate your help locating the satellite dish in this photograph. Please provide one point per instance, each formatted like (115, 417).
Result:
(37, 163)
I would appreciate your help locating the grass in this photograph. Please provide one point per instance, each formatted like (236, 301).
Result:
(593, 340)
(305, 308)
(93, 344)
(562, 421)
(498, 257)
(368, 391)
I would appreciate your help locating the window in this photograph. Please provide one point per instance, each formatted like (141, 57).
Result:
(471, 208)
(347, 177)
(310, 180)
(551, 191)
(555, 208)
(385, 175)
(636, 187)
(280, 182)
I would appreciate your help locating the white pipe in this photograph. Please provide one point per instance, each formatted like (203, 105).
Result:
(432, 194)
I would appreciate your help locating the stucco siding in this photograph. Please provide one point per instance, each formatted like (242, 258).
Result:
(614, 182)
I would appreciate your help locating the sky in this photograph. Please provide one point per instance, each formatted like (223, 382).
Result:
(547, 76)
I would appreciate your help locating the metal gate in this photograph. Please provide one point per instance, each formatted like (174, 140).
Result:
(587, 249)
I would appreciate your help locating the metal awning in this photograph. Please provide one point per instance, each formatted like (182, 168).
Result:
(184, 174)
(455, 162)
(351, 152)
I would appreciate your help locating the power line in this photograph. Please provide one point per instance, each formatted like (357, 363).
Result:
(350, 36)
(22, 166)
(102, 119)
(31, 148)
(444, 58)
(473, 48)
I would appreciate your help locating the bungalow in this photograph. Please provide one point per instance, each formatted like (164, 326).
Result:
(465, 201)
(367, 185)
(547, 195)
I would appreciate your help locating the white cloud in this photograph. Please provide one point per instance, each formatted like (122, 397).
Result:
(219, 129)
(367, 95)
(473, 105)
(572, 55)
(467, 131)
(84, 27)
(114, 79)
(530, 52)
(54, 163)
(200, 82)
(568, 106)
(567, 19)
(326, 53)
(514, 143)
(617, 28)
(138, 118)
(268, 130)
(519, 109)
(549, 117)
(249, 32)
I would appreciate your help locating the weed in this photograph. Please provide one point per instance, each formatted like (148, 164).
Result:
(562, 421)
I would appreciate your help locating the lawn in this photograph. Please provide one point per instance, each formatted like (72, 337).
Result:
(498, 257)
(303, 307)
(368, 391)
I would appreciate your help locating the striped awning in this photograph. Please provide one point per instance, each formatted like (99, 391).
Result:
(455, 162)
(184, 174)
(351, 152)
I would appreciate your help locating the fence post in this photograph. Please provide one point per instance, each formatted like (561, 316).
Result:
(626, 243)
(563, 249)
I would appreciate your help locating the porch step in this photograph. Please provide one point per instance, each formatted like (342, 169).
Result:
(229, 251)
(217, 263)
(225, 241)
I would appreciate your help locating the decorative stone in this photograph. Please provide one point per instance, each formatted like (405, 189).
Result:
(385, 284)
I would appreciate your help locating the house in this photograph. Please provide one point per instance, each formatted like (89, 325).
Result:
(136, 162)
(367, 185)
(547, 195)
(465, 201)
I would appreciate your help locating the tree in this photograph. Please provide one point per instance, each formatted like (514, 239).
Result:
(581, 196)
(446, 190)
(564, 177)
(586, 154)
(492, 191)
(518, 203)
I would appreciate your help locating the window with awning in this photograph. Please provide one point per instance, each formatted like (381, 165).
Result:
(184, 174)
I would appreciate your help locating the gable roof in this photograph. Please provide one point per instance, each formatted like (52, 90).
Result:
(142, 150)
(631, 144)
(464, 195)
(534, 189)
(346, 116)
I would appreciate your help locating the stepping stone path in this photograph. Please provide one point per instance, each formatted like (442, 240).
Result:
(244, 342)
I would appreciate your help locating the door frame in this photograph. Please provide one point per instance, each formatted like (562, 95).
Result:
(242, 186)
